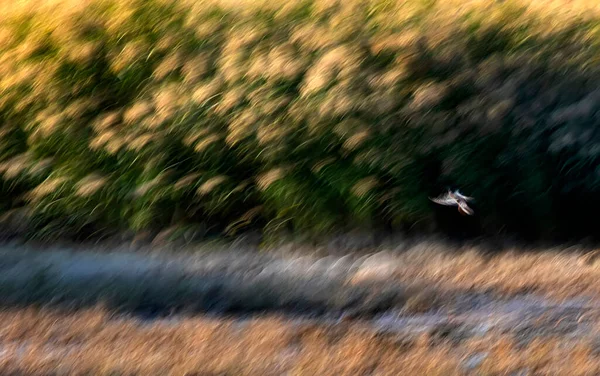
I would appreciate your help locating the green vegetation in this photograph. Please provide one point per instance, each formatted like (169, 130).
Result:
(310, 115)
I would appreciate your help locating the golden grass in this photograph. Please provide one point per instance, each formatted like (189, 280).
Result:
(41, 342)
(555, 273)
(126, 90)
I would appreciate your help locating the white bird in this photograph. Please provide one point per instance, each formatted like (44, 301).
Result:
(455, 199)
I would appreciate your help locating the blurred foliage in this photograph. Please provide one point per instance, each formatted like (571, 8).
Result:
(309, 115)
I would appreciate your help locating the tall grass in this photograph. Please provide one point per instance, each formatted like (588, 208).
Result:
(309, 116)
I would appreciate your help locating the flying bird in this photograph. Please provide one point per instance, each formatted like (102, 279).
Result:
(455, 199)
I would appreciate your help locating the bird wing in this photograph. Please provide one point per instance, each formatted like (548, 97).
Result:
(463, 197)
(444, 200)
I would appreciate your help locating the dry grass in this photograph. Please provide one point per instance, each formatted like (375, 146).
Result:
(553, 271)
(91, 342)
(42, 342)
(98, 341)
(557, 273)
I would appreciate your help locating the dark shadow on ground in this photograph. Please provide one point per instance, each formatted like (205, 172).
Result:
(219, 284)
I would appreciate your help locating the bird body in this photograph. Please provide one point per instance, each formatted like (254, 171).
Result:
(455, 199)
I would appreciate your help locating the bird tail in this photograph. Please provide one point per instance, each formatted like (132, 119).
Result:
(465, 209)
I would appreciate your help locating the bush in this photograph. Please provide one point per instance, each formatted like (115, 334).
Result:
(310, 115)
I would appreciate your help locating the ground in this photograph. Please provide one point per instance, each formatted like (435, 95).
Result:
(411, 308)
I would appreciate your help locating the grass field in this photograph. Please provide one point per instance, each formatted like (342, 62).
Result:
(42, 342)
(179, 121)
(420, 308)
